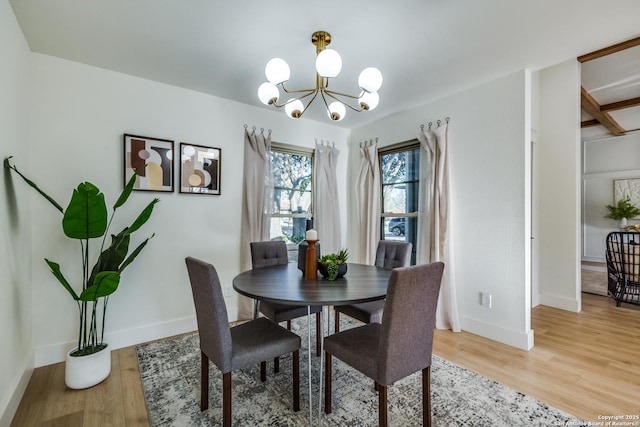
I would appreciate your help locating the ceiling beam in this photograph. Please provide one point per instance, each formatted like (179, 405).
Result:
(592, 107)
(609, 50)
(619, 105)
(589, 123)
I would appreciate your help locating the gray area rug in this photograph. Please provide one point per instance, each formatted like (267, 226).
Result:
(170, 371)
(594, 281)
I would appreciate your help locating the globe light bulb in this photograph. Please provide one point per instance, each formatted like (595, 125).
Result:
(369, 101)
(370, 79)
(268, 93)
(293, 108)
(328, 63)
(336, 111)
(277, 71)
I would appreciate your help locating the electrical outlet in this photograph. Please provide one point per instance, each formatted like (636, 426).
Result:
(485, 299)
(227, 291)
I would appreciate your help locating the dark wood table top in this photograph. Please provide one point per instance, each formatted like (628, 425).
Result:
(285, 284)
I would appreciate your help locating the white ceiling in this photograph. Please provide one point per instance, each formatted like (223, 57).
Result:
(426, 49)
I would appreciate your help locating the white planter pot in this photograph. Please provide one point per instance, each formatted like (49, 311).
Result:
(623, 224)
(87, 371)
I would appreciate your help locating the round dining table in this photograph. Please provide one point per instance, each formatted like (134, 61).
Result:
(285, 284)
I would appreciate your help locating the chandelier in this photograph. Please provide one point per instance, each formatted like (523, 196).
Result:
(328, 65)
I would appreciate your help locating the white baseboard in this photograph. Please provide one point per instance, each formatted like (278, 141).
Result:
(563, 303)
(521, 340)
(10, 405)
(602, 268)
(58, 352)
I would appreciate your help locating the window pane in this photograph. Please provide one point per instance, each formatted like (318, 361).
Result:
(401, 229)
(292, 198)
(292, 183)
(400, 172)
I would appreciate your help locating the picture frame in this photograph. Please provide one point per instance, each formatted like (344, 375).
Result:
(623, 188)
(153, 159)
(200, 169)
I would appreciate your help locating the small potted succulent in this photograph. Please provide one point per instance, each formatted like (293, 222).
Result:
(333, 266)
(622, 211)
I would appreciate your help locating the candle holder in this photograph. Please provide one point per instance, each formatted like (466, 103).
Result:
(311, 267)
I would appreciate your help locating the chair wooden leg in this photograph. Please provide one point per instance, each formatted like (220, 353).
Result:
(263, 371)
(318, 334)
(382, 405)
(276, 365)
(204, 381)
(337, 322)
(226, 399)
(296, 381)
(289, 324)
(327, 383)
(426, 396)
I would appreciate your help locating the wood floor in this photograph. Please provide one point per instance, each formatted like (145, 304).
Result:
(587, 364)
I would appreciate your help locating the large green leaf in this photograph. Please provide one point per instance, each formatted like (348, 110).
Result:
(105, 283)
(111, 258)
(126, 192)
(143, 217)
(55, 269)
(7, 164)
(86, 215)
(135, 253)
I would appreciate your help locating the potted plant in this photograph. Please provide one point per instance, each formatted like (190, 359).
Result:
(84, 219)
(622, 211)
(333, 266)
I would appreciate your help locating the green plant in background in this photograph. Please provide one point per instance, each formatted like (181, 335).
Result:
(333, 262)
(623, 209)
(86, 218)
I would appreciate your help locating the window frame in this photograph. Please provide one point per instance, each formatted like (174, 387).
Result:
(400, 147)
(283, 148)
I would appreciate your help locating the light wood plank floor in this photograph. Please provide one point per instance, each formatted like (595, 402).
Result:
(586, 364)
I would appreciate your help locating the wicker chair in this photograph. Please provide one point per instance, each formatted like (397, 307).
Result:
(623, 266)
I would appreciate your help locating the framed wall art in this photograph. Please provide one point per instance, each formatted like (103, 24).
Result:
(623, 188)
(200, 169)
(153, 159)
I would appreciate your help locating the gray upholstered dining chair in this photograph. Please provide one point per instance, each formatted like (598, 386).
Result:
(269, 253)
(399, 346)
(233, 348)
(389, 255)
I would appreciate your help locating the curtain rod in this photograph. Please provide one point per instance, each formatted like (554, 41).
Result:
(437, 124)
(254, 129)
(328, 142)
(368, 143)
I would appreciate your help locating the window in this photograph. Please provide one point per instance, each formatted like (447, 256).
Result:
(292, 194)
(400, 173)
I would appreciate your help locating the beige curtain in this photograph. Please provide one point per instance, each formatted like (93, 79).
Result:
(368, 204)
(434, 235)
(327, 208)
(256, 204)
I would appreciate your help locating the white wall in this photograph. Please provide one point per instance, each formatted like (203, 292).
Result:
(16, 361)
(558, 181)
(489, 137)
(78, 115)
(605, 159)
